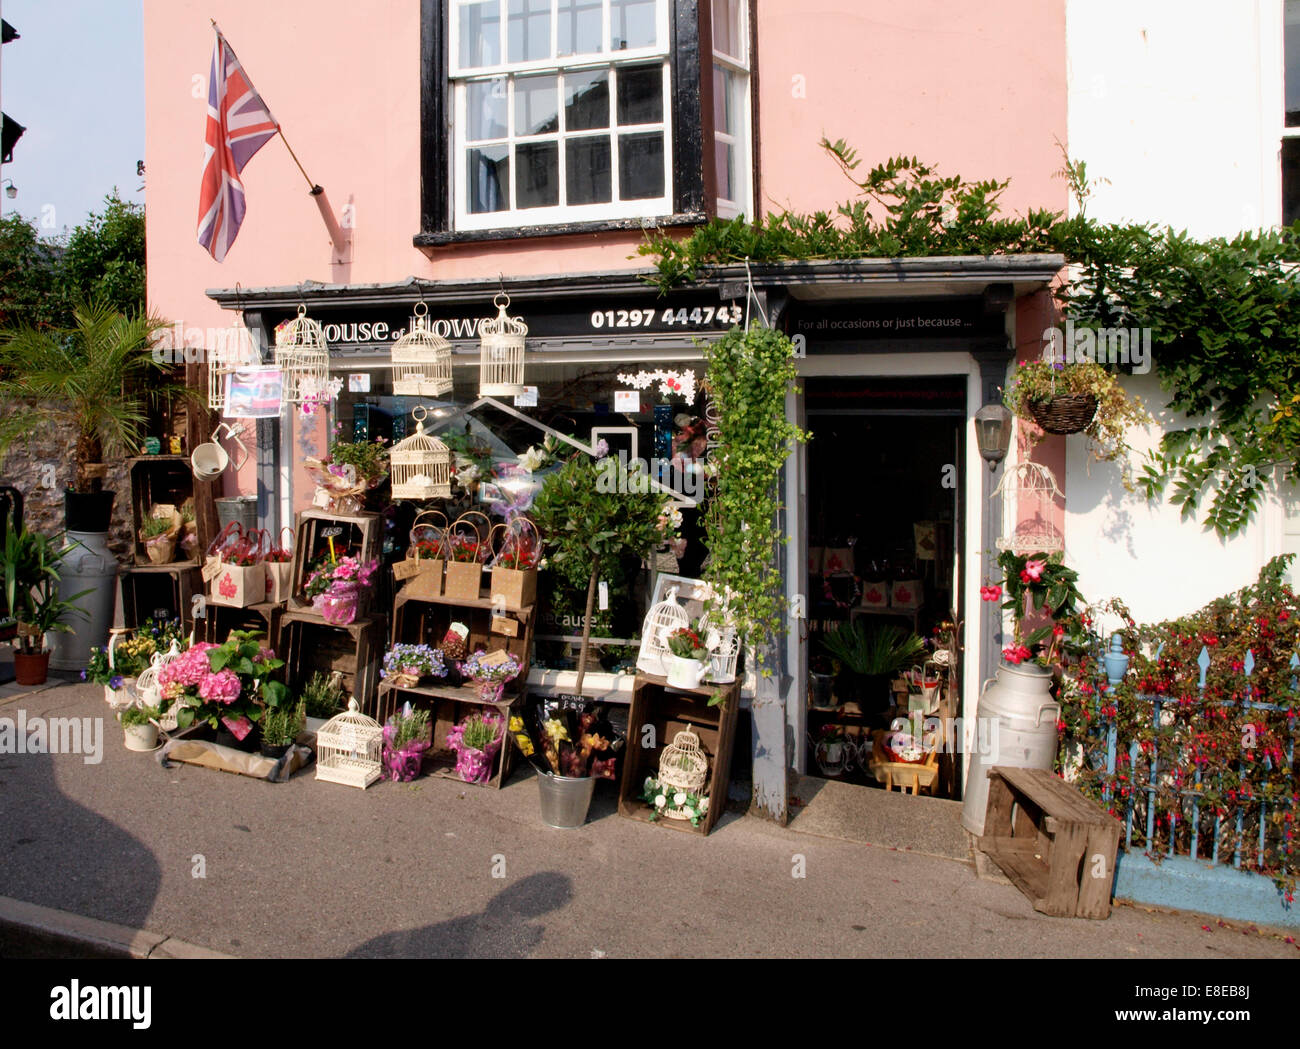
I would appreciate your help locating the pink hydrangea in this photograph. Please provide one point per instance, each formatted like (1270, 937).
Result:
(221, 687)
(189, 669)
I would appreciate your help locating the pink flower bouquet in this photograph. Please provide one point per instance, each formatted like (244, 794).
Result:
(477, 741)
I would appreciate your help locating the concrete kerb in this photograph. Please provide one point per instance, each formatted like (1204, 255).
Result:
(28, 930)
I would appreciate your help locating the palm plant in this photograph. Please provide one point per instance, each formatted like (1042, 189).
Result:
(29, 565)
(96, 377)
(884, 650)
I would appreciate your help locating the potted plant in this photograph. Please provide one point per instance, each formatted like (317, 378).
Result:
(227, 686)
(1081, 397)
(336, 585)
(870, 658)
(280, 727)
(406, 738)
(491, 672)
(406, 665)
(477, 741)
(589, 519)
(139, 727)
(322, 699)
(350, 471)
(159, 535)
(687, 658)
(31, 563)
(117, 666)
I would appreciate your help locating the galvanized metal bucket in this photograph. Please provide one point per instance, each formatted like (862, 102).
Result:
(565, 799)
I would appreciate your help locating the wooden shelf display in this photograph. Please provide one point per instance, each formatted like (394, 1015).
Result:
(157, 479)
(354, 535)
(448, 707)
(166, 589)
(219, 620)
(308, 644)
(667, 711)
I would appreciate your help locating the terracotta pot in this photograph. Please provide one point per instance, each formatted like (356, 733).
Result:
(31, 669)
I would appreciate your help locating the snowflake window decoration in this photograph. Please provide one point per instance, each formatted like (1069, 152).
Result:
(671, 383)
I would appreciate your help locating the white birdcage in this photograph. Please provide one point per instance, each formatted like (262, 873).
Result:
(723, 643)
(1035, 530)
(501, 364)
(683, 766)
(303, 355)
(421, 359)
(234, 351)
(150, 691)
(420, 465)
(348, 748)
(662, 619)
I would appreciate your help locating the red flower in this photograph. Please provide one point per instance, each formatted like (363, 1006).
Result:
(990, 593)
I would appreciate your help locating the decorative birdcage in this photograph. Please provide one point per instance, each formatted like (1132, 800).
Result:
(1034, 507)
(348, 748)
(421, 359)
(723, 643)
(662, 619)
(501, 364)
(420, 465)
(150, 691)
(234, 352)
(683, 766)
(302, 353)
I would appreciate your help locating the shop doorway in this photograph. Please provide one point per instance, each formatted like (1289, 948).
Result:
(885, 525)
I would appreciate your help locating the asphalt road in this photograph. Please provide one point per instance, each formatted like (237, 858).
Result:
(436, 869)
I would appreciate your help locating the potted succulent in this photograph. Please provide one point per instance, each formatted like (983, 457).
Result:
(687, 658)
(406, 738)
(477, 741)
(140, 727)
(869, 659)
(1081, 397)
(280, 727)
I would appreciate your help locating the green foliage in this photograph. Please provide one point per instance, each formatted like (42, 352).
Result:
(479, 734)
(27, 275)
(281, 725)
(749, 374)
(368, 458)
(1040, 583)
(322, 696)
(884, 649)
(104, 258)
(134, 715)
(29, 566)
(95, 377)
(408, 728)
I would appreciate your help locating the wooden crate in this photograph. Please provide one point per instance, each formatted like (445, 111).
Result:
(1057, 846)
(357, 535)
(424, 620)
(158, 479)
(147, 589)
(670, 710)
(448, 707)
(219, 620)
(307, 645)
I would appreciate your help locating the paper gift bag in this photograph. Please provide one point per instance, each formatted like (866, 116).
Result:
(237, 586)
(462, 580)
(279, 579)
(905, 594)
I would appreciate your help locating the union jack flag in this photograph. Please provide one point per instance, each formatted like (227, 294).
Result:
(239, 124)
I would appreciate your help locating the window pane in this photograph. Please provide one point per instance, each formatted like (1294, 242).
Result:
(529, 30)
(587, 173)
(641, 95)
(486, 109)
(536, 105)
(480, 34)
(725, 102)
(586, 100)
(537, 174)
(632, 23)
(641, 166)
(724, 165)
(579, 27)
(489, 179)
(727, 29)
(1292, 45)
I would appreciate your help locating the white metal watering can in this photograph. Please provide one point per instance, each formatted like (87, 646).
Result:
(210, 459)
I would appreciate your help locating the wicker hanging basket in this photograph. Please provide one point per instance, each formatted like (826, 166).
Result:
(1064, 414)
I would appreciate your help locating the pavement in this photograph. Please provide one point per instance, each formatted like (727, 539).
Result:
(188, 861)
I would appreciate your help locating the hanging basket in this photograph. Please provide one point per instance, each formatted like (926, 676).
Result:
(1064, 414)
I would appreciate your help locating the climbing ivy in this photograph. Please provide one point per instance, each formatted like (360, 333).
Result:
(749, 374)
(1224, 313)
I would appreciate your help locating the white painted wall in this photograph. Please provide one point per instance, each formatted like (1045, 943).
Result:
(1179, 104)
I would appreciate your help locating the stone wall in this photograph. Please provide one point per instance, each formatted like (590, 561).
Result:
(42, 468)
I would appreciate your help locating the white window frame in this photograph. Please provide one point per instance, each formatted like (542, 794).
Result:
(742, 143)
(515, 217)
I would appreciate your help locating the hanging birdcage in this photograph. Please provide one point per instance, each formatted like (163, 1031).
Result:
(348, 748)
(1035, 508)
(501, 364)
(420, 465)
(421, 359)
(684, 767)
(303, 355)
(234, 351)
(662, 619)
